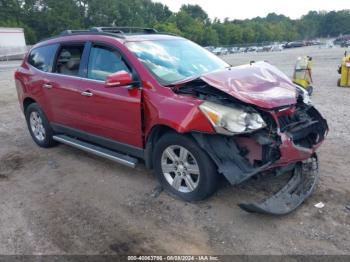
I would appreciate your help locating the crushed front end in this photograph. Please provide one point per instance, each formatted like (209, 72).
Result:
(286, 143)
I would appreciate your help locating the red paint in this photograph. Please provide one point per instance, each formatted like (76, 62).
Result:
(254, 149)
(260, 84)
(116, 112)
(121, 78)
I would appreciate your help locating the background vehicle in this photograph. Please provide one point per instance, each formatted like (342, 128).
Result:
(341, 40)
(241, 50)
(210, 48)
(260, 49)
(224, 51)
(217, 51)
(277, 48)
(233, 50)
(167, 101)
(12, 43)
(252, 49)
(345, 43)
(220, 51)
(294, 44)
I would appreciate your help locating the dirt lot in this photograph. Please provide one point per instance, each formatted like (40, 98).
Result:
(64, 201)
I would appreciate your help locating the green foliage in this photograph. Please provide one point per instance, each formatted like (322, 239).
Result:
(44, 18)
(169, 27)
(196, 12)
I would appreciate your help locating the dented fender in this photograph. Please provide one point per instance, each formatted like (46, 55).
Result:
(178, 112)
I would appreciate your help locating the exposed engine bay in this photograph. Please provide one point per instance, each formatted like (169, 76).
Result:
(288, 140)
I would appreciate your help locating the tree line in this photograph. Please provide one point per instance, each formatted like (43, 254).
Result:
(44, 18)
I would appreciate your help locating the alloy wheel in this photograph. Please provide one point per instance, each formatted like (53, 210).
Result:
(37, 127)
(180, 168)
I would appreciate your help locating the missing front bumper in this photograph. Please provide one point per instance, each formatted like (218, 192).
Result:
(293, 194)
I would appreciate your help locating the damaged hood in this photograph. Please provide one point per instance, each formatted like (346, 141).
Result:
(260, 84)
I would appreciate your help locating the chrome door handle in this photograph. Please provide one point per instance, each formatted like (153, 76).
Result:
(47, 86)
(87, 93)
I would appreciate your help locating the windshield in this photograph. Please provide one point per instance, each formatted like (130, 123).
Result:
(171, 61)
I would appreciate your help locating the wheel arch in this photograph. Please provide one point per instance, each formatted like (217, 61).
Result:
(28, 101)
(155, 134)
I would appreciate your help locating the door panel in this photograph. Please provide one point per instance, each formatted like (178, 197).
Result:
(87, 104)
(64, 84)
(36, 75)
(65, 100)
(113, 113)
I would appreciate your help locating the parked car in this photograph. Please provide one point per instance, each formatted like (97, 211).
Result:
(241, 50)
(210, 48)
(328, 44)
(345, 44)
(252, 49)
(217, 51)
(260, 49)
(224, 51)
(220, 51)
(170, 103)
(277, 48)
(233, 50)
(267, 48)
(341, 40)
(294, 44)
(315, 42)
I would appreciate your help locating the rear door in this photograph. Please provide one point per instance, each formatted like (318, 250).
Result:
(64, 85)
(111, 112)
(36, 76)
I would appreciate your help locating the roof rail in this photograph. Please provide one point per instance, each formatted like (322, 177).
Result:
(124, 30)
(70, 32)
(119, 32)
(89, 32)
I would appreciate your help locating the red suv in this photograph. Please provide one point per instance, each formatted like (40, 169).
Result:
(131, 94)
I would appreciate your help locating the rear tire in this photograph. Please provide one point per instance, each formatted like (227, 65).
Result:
(183, 168)
(39, 126)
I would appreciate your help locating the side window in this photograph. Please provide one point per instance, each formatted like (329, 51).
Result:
(103, 62)
(42, 57)
(68, 59)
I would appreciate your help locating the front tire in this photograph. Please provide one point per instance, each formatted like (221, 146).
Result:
(39, 126)
(183, 168)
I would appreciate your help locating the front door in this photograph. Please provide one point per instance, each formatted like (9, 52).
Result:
(110, 112)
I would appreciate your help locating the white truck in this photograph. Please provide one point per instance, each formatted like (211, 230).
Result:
(12, 43)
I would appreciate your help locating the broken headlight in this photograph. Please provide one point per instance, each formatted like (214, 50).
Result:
(230, 121)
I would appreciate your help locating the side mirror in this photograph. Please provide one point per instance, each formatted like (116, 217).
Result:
(121, 78)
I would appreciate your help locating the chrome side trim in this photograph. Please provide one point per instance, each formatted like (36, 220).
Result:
(96, 150)
(63, 75)
(103, 142)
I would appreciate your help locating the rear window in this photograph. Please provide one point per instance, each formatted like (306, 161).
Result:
(42, 57)
(69, 59)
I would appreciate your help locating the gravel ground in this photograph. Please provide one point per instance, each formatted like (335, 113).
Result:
(64, 201)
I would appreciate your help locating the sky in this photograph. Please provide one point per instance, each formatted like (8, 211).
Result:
(242, 9)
